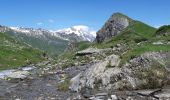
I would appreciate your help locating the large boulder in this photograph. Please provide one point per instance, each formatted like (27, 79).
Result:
(150, 70)
(116, 23)
(96, 73)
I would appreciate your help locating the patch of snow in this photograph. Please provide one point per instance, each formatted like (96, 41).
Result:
(80, 30)
(18, 29)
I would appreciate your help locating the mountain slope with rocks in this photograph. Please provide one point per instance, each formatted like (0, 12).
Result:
(119, 23)
(131, 58)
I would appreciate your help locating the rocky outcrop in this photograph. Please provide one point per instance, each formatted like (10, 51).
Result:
(116, 23)
(96, 73)
(149, 70)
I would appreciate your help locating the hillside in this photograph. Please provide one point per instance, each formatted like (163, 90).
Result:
(53, 42)
(15, 54)
(134, 56)
(136, 32)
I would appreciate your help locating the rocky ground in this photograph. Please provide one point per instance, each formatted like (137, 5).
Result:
(36, 86)
(43, 86)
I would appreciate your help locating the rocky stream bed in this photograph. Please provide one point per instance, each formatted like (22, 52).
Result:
(26, 84)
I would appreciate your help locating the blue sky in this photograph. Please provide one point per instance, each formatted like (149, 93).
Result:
(56, 14)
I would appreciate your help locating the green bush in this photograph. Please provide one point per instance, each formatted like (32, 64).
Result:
(64, 86)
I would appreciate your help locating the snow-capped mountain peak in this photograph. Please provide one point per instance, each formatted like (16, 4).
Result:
(80, 30)
(74, 33)
(19, 29)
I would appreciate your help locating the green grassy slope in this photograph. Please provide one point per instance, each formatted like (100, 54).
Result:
(15, 54)
(52, 45)
(140, 38)
(136, 32)
(163, 31)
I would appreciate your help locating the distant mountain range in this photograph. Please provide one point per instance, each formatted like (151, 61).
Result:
(77, 33)
(54, 42)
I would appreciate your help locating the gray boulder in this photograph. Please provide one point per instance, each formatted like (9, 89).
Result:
(96, 73)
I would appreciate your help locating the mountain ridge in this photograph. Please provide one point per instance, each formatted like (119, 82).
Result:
(51, 41)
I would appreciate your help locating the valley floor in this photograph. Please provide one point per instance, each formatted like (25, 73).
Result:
(44, 87)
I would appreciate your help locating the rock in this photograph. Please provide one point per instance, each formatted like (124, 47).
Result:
(18, 75)
(15, 74)
(101, 94)
(75, 82)
(77, 97)
(168, 43)
(137, 73)
(114, 97)
(121, 48)
(100, 98)
(95, 73)
(28, 68)
(116, 23)
(5, 73)
(129, 98)
(92, 98)
(109, 74)
(113, 59)
(157, 43)
(89, 51)
(138, 70)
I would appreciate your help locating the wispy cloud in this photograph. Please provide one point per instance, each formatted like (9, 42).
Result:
(39, 23)
(159, 25)
(156, 26)
(51, 21)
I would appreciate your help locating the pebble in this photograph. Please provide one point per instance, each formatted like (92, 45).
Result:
(114, 97)
(101, 94)
(91, 98)
(48, 84)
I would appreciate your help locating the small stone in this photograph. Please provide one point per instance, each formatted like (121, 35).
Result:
(48, 85)
(91, 98)
(114, 97)
(52, 98)
(100, 98)
(101, 94)
(129, 98)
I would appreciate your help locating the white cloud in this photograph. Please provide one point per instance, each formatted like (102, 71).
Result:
(39, 23)
(157, 26)
(51, 21)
